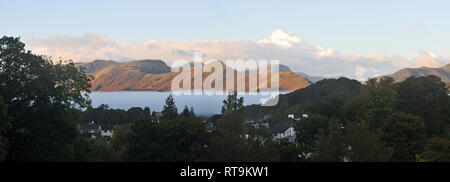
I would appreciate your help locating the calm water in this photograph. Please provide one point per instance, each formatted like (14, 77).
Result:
(204, 105)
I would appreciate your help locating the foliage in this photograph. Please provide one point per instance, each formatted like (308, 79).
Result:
(365, 145)
(100, 151)
(260, 147)
(436, 150)
(5, 126)
(307, 132)
(427, 98)
(331, 147)
(404, 133)
(227, 143)
(42, 99)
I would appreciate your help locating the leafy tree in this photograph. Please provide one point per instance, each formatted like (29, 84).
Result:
(42, 98)
(376, 101)
(182, 139)
(379, 94)
(232, 104)
(120, 141)
(170, 109)
(117, 116)
(436, 150)
(94, 114)
(289, 152)
(331, 146)
(5, 126)
(365, 145)
(137, 113)
(427, 98)
(260, 147)
(178, 139)
(141, 143)
(227, 144)
(405, 134)
(307, 132)
(100, 151)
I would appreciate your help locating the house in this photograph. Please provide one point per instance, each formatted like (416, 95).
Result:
(91, 129)
(94, 130)
(284, 130)
(107, 131)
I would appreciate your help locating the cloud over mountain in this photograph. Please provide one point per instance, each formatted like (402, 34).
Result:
(287, 47)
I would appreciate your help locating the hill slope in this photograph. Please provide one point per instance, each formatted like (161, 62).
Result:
(95, 66)
(334, 92)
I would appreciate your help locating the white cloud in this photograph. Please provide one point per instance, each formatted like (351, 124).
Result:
(322, 52)
(286, 47)
(282, 39)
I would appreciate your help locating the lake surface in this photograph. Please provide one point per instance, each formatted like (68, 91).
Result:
(204, 105)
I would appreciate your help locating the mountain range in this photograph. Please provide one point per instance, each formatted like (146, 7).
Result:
(403, 74)
(156, 75)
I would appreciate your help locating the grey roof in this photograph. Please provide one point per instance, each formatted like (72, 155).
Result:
(283, 126)
(249, 126)
(93, 126)
(89, 126)
(107, 127)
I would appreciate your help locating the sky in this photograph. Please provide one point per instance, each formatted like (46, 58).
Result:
(358, 39)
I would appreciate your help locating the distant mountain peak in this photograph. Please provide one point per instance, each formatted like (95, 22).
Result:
(403, 74)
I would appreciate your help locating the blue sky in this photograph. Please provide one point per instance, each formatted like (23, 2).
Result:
(350, 27)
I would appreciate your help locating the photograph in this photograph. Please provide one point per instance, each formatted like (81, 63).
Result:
(224, 89)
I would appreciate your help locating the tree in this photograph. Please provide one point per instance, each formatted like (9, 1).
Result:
(365, 145)
(259, 146)
(227, 143)
(404, 133)
(378, 94)
(427, 98)
(185, 112)
(307, 132)
(140, 144)
(170, 109)
(120, 142)
(436, 150)
(99, 151)
(118, 116)
(182, 139)
(174, 140)
(192, 112)
(289, 152)
(43, 98)
(5, 126)
(376, 101)
(137, 113)
(232, 104)
(331, 146)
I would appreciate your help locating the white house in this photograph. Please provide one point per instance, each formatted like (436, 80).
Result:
(107, 131)
(284, 130)
(94, 130)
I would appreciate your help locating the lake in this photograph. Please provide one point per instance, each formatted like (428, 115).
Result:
(204, 105)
